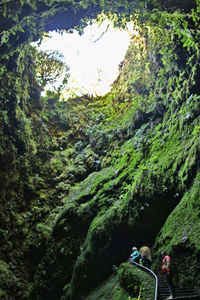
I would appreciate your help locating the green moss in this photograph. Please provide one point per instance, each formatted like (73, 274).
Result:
(136, 282)
(110, 289)
(10, 283)
(183, 240)
(132, 155)
(187, 214)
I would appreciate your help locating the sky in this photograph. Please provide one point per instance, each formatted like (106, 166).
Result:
(93, 57)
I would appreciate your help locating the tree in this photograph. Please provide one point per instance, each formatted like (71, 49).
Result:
(50, 67)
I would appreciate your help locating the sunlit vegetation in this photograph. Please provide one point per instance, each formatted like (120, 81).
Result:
(83, 180)
(49, 68)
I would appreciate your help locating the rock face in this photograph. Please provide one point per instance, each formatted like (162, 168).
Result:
(185, 4)
(83, 181)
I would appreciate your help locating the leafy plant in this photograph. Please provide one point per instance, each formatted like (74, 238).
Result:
(50, 67)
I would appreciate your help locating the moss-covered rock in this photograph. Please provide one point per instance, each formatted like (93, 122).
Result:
(181, 241)
(84, 180)
(136, 282)
(110, 289)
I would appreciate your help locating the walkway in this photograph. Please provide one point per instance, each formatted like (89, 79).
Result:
(181, 293)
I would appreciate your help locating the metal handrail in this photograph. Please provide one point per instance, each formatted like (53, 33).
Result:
(151, 273)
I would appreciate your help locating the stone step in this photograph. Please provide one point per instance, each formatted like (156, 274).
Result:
(164, 296)
(182, 293)
(179, 292)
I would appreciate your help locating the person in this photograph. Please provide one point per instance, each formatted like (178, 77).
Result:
(166, 272)
(145, 253)
(135, 255)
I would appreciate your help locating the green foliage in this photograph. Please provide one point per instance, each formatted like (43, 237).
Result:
(136, 282)
(129, 279)
(110, 289)
(187, 213)
(182, 241)
(9, 282)
(50, 67)
(131, 154)
(160, 157)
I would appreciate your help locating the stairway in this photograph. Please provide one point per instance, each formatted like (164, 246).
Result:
(181, 293)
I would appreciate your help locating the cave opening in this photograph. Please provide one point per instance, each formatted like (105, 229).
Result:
(92, 58)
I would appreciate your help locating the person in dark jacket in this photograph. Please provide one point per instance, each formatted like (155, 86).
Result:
(145, 253)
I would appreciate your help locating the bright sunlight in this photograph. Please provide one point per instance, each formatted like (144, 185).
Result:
(93, 57)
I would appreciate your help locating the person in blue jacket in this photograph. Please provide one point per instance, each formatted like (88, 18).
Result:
(135, 256)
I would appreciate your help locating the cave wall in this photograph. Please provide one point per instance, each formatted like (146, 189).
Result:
(152, 166)
(133, 164)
